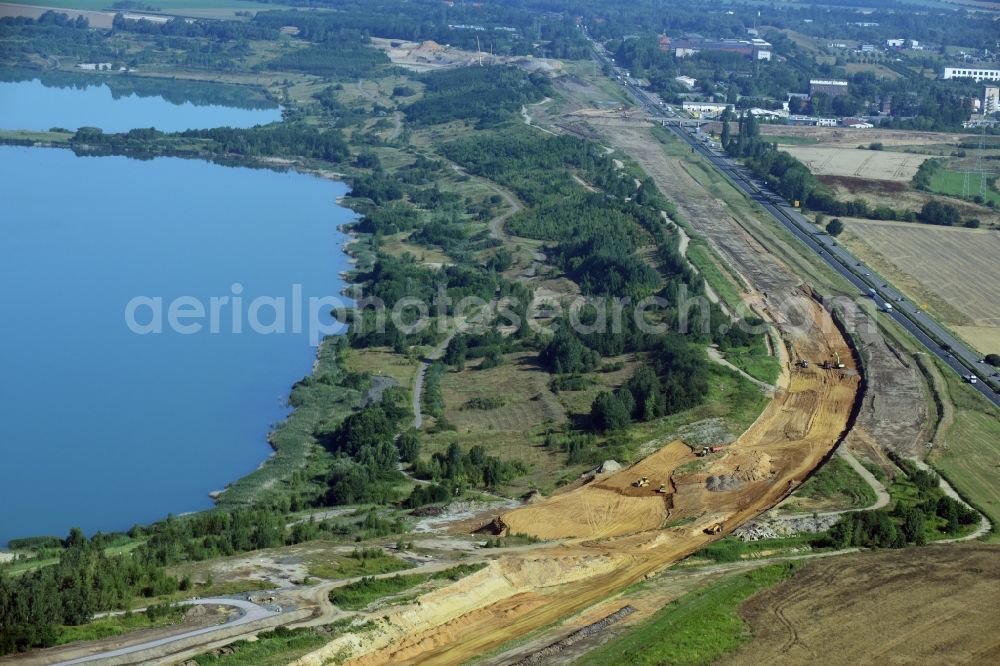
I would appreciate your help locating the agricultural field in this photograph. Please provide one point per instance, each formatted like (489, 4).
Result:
(919, 605)
(904, 197)
(952, 272)
(165, 6)
(852, 138)
(869, 164)
(967, 446)
(949, 181)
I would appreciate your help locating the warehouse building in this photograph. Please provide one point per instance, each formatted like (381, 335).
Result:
(827, 87)
(756, 49)
(977, 73)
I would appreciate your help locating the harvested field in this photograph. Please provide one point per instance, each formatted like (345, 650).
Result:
(919, 605)
(868, 164)
(96, 19)
(852, 138)
(954, 271)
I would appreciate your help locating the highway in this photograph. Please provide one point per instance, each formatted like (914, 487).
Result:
(931, 334)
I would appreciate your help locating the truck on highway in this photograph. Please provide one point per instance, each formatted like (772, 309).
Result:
(872, 292)
(972, 379)
(887, 307)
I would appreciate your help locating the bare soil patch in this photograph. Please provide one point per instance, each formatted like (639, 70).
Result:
(918, 605)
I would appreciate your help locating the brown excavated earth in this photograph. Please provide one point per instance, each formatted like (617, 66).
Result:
(933, 605)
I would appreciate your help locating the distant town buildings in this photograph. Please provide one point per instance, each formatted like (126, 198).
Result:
(812, 120)
(895, 43)
(686, 81)
(990, 100)
(707, 108)
(827, 87)
(756, 49)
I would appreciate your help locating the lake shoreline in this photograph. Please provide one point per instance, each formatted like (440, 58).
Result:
(218, 497)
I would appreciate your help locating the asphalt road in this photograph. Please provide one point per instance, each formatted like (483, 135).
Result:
(251, 613)
(931, 334)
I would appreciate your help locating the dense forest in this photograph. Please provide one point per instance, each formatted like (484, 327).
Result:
(487, 95)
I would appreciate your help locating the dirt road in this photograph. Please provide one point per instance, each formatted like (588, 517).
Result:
(249, 613)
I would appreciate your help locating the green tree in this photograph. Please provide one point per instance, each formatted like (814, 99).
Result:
(835, 227)
(608, 413)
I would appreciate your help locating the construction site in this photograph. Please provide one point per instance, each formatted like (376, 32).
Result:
(574, 574)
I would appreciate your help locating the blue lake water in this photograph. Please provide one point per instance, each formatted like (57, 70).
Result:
(101, 427)
(30, 105)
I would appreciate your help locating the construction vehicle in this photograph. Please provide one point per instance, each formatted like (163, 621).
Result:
(705, 450)
(827, 365)
(714, 528)
(662, 489)
(836, 360)
(804, 363)
(642, 482)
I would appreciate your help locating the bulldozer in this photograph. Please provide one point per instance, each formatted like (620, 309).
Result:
(641, 482)
(714, 528)
(662, 489)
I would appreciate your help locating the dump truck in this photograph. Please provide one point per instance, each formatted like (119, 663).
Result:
(714, 528)
(641, 482)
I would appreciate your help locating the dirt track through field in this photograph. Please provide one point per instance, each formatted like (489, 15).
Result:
(920, 605)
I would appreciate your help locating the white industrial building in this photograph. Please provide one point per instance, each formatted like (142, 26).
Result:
(977, 73)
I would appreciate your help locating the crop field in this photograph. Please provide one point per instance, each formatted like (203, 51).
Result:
(953, 272)
(948, 181)
(852, 138)
(165, 6)
(872, 164)
(918, 605)
(967, 450)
